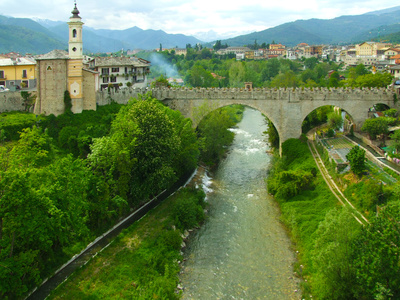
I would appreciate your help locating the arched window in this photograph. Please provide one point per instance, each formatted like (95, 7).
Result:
(74, 33)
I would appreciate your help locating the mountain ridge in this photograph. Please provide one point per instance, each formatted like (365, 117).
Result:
(41, 36)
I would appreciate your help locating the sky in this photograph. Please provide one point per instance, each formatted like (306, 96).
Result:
(190, 16)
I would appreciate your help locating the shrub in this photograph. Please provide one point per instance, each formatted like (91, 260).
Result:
(188, 210)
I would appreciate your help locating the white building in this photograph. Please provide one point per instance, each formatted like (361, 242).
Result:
(119, 72)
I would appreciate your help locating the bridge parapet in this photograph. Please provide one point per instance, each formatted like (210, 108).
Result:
(282, 94)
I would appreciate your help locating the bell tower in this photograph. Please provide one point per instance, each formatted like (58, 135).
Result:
(75, 62)
(75, 45)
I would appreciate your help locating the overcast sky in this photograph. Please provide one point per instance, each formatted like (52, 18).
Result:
(190, 16)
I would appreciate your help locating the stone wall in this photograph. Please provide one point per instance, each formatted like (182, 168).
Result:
(52, 83)
(11, 101)
(89, 94)
(121, 96)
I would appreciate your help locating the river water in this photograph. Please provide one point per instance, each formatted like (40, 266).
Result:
(242, 251)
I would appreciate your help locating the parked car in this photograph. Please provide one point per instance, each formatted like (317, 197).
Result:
(3, 89)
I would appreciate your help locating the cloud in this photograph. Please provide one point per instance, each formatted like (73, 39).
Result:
(190, 16)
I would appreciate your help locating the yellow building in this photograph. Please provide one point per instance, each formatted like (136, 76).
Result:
(17, 72)
(369, 48)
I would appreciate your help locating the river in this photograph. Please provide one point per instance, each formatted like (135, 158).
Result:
(242, 251)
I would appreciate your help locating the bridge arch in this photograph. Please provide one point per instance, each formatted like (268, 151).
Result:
(286, 108)
(214, 105)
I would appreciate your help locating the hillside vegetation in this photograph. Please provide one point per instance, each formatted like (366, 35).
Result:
(338, 258)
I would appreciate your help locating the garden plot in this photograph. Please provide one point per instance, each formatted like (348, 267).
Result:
(340, 147)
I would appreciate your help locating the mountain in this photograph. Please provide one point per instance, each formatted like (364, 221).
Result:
(24, 35)
(340, 30)
(382, 33)
(137, 38)
(211, 35)
(383, 11)
(47, 23)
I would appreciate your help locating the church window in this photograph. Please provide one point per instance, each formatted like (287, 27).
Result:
(74, 33)
(49, 68)
(74, 49)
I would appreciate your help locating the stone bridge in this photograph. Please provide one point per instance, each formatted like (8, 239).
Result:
(286, 108)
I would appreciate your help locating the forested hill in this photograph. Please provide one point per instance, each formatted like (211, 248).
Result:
(343, 29)
(25, 35)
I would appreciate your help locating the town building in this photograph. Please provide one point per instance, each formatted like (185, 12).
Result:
(120, 72)
(17, 72)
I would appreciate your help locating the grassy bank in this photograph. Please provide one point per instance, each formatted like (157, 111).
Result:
(304, 199)
(142, 263)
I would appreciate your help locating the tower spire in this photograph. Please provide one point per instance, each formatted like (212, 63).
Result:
(75, 12)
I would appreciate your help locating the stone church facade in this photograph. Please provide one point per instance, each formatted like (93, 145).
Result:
(59, 71)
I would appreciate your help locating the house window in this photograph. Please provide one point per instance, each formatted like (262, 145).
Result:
(105, 79)
(24, 74)
(2, 74)
(105, 71)
(114, 70)
(25, 83)
(113, 79)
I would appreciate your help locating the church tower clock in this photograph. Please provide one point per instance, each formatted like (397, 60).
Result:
(75, 62)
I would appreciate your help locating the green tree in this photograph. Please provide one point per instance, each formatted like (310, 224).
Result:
(161, 81)
(287, 79)
(396, 140)
(335, 120)
(139, 154)
(217, 45)
(67, 102)
(377, 259)
(272, 133)
(375, 127)
(356, 158)
(311, 62)
(360, 70)
(214, 135)
(271, 69)
(334, 79)
(332, 255)
(381, 80)
(199, 77)
(28, 100)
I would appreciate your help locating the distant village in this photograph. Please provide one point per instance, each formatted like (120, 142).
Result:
(19, 72)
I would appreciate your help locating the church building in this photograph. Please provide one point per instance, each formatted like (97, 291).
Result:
(59, 71)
